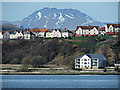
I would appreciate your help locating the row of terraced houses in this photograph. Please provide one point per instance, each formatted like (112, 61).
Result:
(61, 33)
(95, 30)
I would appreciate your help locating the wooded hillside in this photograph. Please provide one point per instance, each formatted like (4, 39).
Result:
(58, 51)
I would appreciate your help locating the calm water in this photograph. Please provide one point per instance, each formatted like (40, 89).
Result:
(60, 81)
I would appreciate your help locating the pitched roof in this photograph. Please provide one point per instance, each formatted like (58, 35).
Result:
(102, 29)
(39, 30)
(100, 56)
(51, 30)
(114, 25)
(72, 31)
(88, 27)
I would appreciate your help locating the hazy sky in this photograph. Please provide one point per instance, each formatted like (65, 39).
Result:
(100, 11)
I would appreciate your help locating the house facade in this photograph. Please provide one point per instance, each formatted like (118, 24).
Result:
(19, 34)
(6, 35)
(66, 33)
(1, 34)
(58, 33)
(102, 31)
(15, 34)
(112, 28)
(28, 35)
(53, 33)
(86, 31)
(90, 61)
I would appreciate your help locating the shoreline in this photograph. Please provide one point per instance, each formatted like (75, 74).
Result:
(10, 69)
(85, 73)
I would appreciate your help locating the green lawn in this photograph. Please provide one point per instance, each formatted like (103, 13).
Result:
(80, 38)
(105, 37)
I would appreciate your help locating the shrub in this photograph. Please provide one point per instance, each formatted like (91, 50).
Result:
(26, 61)
(15, 61)
(23, 69)
(36, 61)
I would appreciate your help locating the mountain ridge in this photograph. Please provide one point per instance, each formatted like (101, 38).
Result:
(57, 18)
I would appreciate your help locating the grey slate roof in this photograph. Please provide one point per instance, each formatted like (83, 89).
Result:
(99, 56)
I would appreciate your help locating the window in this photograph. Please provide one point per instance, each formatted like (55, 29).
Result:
(85, 59)
(94, 60)
(110, 28)
(95, 64)
(85, 63)
(88, 62)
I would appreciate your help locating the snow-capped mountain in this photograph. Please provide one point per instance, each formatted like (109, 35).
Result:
(57, 18)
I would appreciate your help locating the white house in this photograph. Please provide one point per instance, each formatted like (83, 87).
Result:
(19, 34)
(1, 34)
(53, 33)
(26, 34)
(112, 28)
(90, 61)
(15, 34)
(102, 31)
(86, 31)
(39, 32)
(6, 35)
(66, 33)
(58, 33)
(48, 34)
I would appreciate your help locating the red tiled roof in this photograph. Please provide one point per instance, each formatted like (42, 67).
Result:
(39, 30)
(72, 31)
(102, 29)
(88, 27)
(114, 25)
